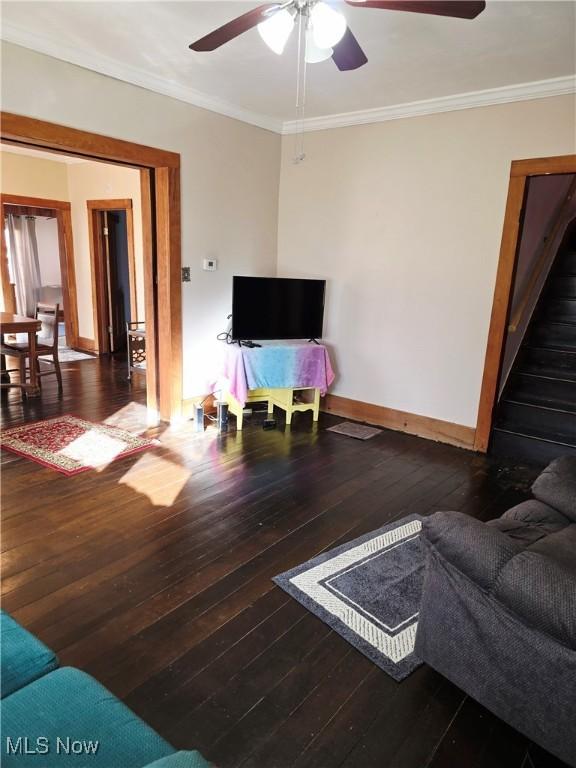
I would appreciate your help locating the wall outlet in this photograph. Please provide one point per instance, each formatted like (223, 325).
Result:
(210, 265)
(185, 274)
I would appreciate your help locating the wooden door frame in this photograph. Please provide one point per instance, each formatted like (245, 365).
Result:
(520, 172)
(94, 207)
(160, 188)
(61, 210)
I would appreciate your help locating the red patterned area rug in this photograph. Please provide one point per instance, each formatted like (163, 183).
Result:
(70, 445)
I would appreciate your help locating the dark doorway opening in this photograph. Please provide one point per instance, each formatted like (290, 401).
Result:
(117, 276)
(114, 272)
(535, 413)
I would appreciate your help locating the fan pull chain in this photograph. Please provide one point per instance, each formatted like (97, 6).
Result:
(299, 153)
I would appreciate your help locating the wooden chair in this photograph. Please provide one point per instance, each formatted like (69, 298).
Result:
(47, 345)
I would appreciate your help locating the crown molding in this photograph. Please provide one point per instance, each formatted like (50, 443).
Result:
(16, 34)
(538, 89)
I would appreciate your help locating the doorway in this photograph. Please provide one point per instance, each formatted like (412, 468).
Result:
(53, 230)
(521, 172)
(111, 228)
(535, 412)
(117, 279)
(160, 188)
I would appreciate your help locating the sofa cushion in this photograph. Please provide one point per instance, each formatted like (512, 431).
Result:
(539, 585)
(69, 706)
(181, 760)
(531, 572)
(556, 486)
(530, 521)
(23, 657)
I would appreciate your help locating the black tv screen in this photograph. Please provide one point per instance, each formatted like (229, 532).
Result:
(277, 308)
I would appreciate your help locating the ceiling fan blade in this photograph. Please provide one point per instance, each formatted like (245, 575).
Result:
(347, 54)
(459, 9)
(233, 28)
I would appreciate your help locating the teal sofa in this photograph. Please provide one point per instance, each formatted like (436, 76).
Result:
(56, 717)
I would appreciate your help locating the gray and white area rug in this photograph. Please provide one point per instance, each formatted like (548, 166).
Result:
(369, 592)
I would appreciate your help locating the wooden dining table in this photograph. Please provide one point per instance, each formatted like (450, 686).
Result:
(10, 323)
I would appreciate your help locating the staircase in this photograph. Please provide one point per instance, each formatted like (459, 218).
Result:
(536, 416)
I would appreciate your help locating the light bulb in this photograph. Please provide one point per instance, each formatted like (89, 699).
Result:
(313, 53)
(275, 31)
(328, 26)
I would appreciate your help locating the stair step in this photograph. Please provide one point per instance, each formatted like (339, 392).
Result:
(536, 389)
(547, 362)
(527, 447)
(562, 286)
(536, 417)
(554, 335)
(560, 310)
(553, 424)
(566, 262)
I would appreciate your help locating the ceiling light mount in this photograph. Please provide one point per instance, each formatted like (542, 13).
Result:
(324, 27)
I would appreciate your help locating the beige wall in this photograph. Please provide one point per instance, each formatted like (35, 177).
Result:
(101, 181)
(404, 219)
(32, 176)
(230, 176)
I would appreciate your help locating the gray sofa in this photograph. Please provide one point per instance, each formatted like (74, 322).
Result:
(498, 613)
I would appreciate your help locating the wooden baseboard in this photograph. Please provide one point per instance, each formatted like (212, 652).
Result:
(85, 345)
(413, 424)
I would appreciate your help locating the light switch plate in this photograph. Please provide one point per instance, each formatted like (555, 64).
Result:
(210, 265)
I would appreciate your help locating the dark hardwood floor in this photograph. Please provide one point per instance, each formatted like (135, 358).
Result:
(154, 575)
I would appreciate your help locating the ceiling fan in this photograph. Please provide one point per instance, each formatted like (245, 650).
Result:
(326, 31)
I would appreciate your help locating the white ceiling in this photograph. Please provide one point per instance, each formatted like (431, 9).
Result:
(411, 57)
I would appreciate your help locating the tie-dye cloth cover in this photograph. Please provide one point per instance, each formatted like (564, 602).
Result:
(276, 365)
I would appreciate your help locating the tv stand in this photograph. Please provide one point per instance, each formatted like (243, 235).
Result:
(249, 344)
(288, 376)
(313, 341)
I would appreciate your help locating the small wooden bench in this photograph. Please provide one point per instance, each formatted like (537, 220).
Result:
(284, 398)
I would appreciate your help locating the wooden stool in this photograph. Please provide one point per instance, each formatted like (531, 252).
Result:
(281, 397)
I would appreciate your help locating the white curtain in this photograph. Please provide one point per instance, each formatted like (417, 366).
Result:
(24, 262)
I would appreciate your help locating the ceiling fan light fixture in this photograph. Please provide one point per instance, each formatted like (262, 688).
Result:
(276, 30)
(314, 54)
(328, 26)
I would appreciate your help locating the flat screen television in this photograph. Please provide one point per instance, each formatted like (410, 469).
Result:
(277, 308)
